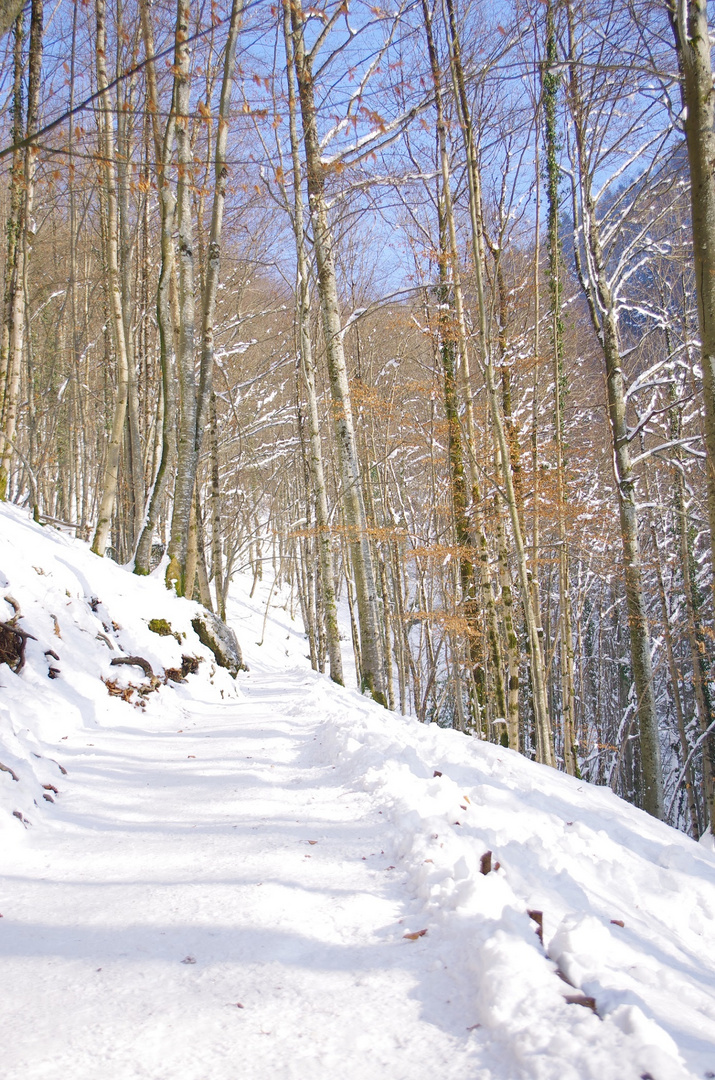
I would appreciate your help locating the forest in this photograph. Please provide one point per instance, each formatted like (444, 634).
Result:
(407, 307)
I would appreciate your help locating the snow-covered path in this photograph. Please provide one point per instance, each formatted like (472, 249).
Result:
(187, 872)
(222, 884)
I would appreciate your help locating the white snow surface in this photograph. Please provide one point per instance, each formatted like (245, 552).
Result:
(224, 881)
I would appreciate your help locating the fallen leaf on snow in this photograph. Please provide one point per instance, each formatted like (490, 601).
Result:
(415, 935)
(618, 922)
(538, 918)
(581, 999)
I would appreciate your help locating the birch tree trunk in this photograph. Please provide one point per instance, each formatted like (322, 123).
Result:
(372, 673)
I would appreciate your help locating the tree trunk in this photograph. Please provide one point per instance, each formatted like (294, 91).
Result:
(372, 673)
(464, 536)
(545, 750)
(22, 246)
(194, 413)
(604, 318)
(324, 539)
(176, 572)
(550, 86)
(106, 140)
(216, 537)
(167, 318)
(14, 219)
(689, 22)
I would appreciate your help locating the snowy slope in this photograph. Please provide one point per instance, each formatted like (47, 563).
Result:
(223, 883)
(87, 611)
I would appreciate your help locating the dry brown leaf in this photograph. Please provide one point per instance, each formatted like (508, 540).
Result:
(581, 999)
(417, 934)
(538, 918)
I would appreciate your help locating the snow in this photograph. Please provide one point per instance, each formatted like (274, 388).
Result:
(223, 883)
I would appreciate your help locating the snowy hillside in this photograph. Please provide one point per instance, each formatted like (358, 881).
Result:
(272, 877)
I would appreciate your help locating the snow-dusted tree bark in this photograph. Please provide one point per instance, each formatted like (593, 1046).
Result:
(602, 308)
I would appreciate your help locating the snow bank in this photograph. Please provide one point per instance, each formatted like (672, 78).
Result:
(82, 612)
(625, 904)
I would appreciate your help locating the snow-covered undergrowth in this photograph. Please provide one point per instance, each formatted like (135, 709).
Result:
(81, 612)
(583, 898)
